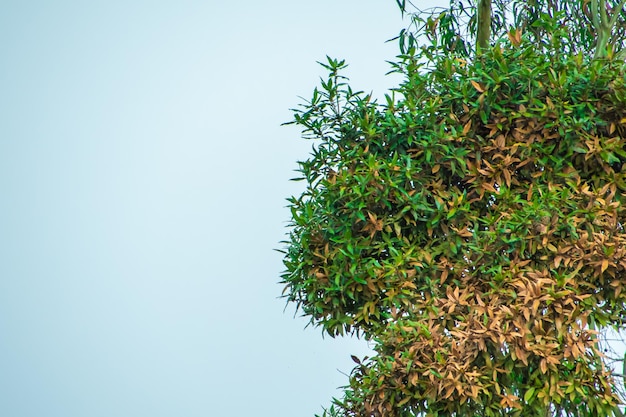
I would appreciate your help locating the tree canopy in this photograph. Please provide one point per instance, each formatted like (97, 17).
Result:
(593, 27)
(471, 227)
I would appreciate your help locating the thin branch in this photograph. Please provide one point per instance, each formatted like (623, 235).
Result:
(616, 13)
(594, 14)
(603, 14)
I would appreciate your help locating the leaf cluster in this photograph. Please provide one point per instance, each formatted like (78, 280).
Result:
(472, 228)
(587, 26)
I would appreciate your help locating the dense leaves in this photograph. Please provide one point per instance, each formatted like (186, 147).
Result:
(593, 27)
(472, 228)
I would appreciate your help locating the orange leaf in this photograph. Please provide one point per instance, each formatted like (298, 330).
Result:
(515, 37)
(444, 276)
(605, 265)
(477, 86)
(467, 127)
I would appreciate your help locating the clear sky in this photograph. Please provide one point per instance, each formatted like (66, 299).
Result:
(143, 174)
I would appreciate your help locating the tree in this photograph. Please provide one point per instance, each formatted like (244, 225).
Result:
(472, 226)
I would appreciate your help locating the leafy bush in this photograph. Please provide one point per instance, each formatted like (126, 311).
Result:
(472, 228)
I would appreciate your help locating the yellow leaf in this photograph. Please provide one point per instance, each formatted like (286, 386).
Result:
(477, 86)
(515, 38)
(404, 401)
(605, 265)
(467, 127)
(444, 276)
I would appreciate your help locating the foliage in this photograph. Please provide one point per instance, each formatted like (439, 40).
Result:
(594, 27)
(471, 228)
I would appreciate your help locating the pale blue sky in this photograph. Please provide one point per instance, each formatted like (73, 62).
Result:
(143, 173)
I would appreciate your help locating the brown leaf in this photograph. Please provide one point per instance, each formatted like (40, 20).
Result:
(488, 187)
(500, 141)
(507, 177)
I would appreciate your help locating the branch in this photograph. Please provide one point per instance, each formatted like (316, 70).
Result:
(603, 16)
(617, 12)
(483, 24)
(594, 14)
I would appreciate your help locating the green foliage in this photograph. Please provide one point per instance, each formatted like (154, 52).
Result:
(471, 228)
(588, 26)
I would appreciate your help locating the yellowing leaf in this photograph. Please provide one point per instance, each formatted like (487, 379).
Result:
(605, 265)
(515, 37)
(529, 394)
(477, 86)
(467, 127)
(507, 177)
(404, 401)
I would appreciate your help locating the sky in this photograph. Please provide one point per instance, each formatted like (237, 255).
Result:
(143, 173)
